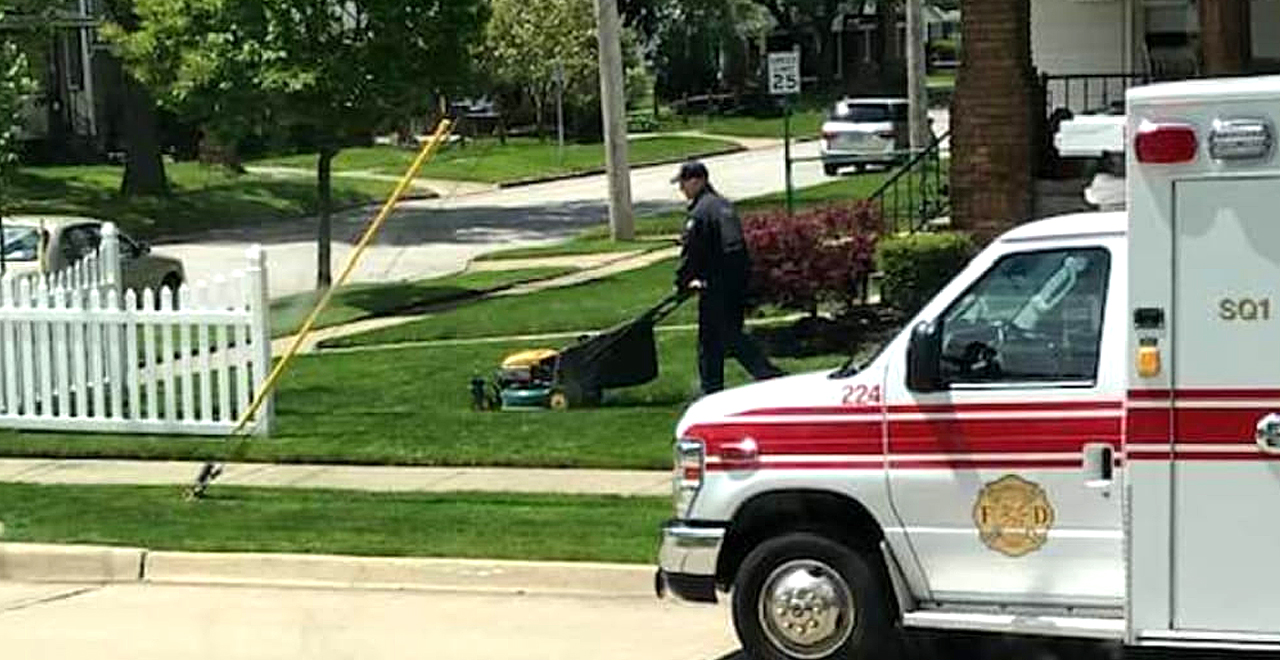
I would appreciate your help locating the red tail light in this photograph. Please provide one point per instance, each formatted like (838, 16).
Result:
(828, 135)
(1165, 144)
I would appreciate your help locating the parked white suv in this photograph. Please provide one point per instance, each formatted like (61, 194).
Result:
(860, 132)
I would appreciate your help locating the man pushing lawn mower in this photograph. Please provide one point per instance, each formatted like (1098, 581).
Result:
(714, 263)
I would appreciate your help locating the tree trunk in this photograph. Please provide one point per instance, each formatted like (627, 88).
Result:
(539, 113)
(324, 234)
(144, 167)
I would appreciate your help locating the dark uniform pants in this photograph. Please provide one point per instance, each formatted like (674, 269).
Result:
(720, 321)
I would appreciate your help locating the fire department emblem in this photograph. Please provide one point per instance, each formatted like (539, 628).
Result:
(1013, 516)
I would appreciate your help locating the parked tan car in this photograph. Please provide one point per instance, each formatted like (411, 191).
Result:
(49, 244)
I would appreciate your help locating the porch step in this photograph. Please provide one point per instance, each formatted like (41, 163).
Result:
(1018, 624)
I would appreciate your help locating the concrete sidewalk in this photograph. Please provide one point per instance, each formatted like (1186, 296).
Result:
(655, 483)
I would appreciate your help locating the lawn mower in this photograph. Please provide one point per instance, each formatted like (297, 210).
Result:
(577, 375)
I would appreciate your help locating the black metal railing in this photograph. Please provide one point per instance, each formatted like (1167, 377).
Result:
(1088, 92)
(917, 193)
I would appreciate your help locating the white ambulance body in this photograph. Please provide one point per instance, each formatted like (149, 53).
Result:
(1079, 436)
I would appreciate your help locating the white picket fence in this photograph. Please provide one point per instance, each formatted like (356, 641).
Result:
(78, 355)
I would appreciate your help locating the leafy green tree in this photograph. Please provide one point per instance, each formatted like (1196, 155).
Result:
(338, 70)
(526, 40)
(144, 164)
(697, 44)
(16, 87)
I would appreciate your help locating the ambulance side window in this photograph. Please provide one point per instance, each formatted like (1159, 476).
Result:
(1034, 317)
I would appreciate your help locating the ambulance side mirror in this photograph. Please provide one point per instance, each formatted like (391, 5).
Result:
(924, 358)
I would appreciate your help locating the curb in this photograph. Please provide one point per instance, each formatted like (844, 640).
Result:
(35, 562)
(29, 562)
(601, 170)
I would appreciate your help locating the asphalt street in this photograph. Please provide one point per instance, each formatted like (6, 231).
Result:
(162, 622)
(426, 238)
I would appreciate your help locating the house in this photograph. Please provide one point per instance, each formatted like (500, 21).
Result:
(1026, 61)
(1111, 44)
(69, 119)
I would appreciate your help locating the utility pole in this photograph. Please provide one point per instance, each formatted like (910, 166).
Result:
(917, 81)
(613, 106)
(559, 76)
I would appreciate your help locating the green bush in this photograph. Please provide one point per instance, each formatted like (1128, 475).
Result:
(916, 267)
(642, 123)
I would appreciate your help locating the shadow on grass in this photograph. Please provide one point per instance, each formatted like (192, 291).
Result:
(853, 333)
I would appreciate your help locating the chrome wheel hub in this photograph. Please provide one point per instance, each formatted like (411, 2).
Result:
(806, 608)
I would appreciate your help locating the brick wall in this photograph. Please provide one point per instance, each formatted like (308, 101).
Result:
(994, 125)
(1225, 44)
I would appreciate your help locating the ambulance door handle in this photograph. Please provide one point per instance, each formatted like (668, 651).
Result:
(1268, 434)
(1099, 465)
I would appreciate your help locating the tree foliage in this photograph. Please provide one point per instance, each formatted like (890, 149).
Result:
(697, 44)
(338, 70)
(527, 40)
(16, 87)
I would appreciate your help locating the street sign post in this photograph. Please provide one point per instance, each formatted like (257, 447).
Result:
(784, 73)
(784, 81)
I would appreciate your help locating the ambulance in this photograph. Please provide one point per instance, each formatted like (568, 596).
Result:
(1079, 436)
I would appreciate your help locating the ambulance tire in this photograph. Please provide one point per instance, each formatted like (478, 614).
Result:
(872, 636)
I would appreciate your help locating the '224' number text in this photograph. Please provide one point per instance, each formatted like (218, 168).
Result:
(861, 395)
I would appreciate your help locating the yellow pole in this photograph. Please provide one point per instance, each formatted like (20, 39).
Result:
(269, 385)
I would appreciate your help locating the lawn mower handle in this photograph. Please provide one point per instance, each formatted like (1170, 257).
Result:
(668, 305)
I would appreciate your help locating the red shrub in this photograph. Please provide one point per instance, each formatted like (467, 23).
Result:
(820, 255)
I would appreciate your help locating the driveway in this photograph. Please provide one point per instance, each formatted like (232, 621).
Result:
(426, 238)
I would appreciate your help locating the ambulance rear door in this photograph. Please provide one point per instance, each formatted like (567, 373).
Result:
(1213, 428)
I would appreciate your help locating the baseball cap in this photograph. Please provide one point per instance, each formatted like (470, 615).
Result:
(690, 170)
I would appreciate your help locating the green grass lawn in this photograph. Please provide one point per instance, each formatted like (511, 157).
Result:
(411, 406)
(804, 124)
(592, 305)
(203, 197)
(520, 159)
(233, 519)
(360, 301)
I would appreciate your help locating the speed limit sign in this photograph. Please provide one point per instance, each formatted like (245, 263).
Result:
(784, 73)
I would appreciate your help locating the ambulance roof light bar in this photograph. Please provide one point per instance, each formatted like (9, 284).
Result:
(1165, 143)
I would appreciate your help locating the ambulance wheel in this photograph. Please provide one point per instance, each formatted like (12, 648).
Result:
(559, 400)
(830, 170)
(802, 596)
